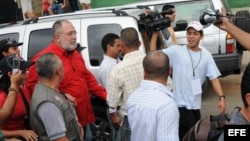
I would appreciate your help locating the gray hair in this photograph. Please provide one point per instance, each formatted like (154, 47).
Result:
(47, 64)
(57, 26)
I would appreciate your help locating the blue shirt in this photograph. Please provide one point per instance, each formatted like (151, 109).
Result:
(152, 113)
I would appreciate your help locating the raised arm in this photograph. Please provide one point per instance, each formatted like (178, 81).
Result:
(241, 36)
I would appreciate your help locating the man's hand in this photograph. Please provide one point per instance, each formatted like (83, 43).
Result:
(225, 22)
(17, 78)
(115, 119)
(222, 105)
(71, 99)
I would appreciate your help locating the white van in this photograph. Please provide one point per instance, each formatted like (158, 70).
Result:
(93, 24)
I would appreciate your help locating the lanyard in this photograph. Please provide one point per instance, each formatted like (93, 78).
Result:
(194, 67)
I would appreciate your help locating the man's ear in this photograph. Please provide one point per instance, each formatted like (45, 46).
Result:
(202, 36)
(5, 53)
(139, 44)
(144, 74)
(248, 99)
(9, 73)
(109, 46)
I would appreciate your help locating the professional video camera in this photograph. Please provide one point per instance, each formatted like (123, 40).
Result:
(211, 17)
(153, 21)
(215, 17)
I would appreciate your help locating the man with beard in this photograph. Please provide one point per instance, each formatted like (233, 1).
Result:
(78, 81)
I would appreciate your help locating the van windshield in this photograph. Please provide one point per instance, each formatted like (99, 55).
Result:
(188, 11)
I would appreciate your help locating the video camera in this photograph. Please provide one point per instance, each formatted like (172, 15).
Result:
(153, 21)
(215, 17)
(211, 17)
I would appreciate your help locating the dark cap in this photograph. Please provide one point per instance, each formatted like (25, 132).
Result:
(3, 42)
(8, 43)
(6, 64)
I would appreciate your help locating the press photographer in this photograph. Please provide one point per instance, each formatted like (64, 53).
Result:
(153, 21)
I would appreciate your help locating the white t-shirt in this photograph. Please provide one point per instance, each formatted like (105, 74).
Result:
(181, 59)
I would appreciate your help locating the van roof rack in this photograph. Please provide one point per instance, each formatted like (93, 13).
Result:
(117, 11)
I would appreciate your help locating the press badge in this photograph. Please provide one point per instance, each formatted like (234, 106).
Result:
(196, 86)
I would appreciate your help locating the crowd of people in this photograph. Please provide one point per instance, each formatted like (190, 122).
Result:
(52, 100)
(52, 7)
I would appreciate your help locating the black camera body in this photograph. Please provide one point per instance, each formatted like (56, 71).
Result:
(212, 17)
(153, 21)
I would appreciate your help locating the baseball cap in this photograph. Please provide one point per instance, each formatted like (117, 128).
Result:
(6, 64)
(8, 43)
(196, 25)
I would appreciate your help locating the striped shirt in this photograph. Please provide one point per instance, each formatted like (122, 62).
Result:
(124, 78)
(152, 113)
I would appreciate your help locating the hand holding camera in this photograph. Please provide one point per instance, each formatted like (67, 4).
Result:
(15, 65)
(153, 21)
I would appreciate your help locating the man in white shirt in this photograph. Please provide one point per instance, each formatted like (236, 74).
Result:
(152, 113)
(111, 45)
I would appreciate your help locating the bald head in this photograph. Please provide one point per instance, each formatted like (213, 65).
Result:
(156, 65)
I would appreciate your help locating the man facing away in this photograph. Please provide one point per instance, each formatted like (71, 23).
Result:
(78, 81)
(52, 117)
(124, 78)
(152, 113)
(191, 65)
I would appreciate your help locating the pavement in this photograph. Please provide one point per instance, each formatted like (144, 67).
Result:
(230, 85)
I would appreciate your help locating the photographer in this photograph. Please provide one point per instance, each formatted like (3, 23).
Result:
(150, 25)
(240, 35)
(169, 12)
(11, 85)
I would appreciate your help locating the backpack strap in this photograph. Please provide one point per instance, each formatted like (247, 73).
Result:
(26, 103)
(204, 129)
(27, 107)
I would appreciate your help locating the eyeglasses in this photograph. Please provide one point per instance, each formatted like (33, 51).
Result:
(70, 33)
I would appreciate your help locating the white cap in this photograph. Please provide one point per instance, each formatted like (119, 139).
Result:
(196, 25)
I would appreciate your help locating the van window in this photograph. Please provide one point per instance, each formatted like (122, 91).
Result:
(187, 12)
(95, 34)
(39, 39)
(14, 36)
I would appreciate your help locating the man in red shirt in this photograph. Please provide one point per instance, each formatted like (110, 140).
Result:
(78, 81)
